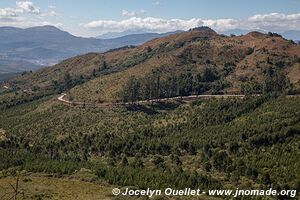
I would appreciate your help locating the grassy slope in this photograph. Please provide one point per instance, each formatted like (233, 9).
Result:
(40, 186)
(218, 50)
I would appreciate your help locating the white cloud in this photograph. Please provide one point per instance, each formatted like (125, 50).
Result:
(274, 21)
(52, 13)
(44, 23)
(271, 22)
(27, 7)
(12, 14)
(25, 23)
(148, 23)
(18, 16)
(7, 12)
(274, 17)
(126, 13)
(221, 24)
(8, 15)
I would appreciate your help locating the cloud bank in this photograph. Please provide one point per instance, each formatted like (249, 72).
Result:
(12, 14)
(26, 14)
(270, 22)
(27, 7)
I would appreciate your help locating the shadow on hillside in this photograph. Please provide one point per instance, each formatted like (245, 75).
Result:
(152, 109)
(141, 108)
(165, 105)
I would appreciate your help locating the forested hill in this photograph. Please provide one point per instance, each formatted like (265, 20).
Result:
(196, 61)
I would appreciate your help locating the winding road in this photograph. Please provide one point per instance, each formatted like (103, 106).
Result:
(184, 98)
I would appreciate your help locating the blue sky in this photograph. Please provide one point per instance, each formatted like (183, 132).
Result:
(95, 17)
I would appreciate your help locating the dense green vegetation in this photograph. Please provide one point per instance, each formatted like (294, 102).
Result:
(157, 85)
(13, 97)
(273, 81)
(154, 86)
(207, 144)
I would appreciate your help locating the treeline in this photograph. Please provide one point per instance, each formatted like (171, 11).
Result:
(123, 173)
(156, 86)
(67, 81)
(274, 81)
(143, 178)
(22, 97)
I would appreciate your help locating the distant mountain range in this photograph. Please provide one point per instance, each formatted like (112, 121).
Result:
(290, 35)
(33, 48)
(134, 34)
(111, 35)
(36, 47)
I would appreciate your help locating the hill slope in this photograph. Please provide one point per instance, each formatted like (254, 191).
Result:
(206, 144)
(231, 65)
(236, 61)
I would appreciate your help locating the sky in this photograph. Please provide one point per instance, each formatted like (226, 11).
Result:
(91, 18)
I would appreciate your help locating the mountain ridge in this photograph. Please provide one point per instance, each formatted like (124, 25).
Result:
(28, 44)
(289, 34)
(46, 45)
(235, 62)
